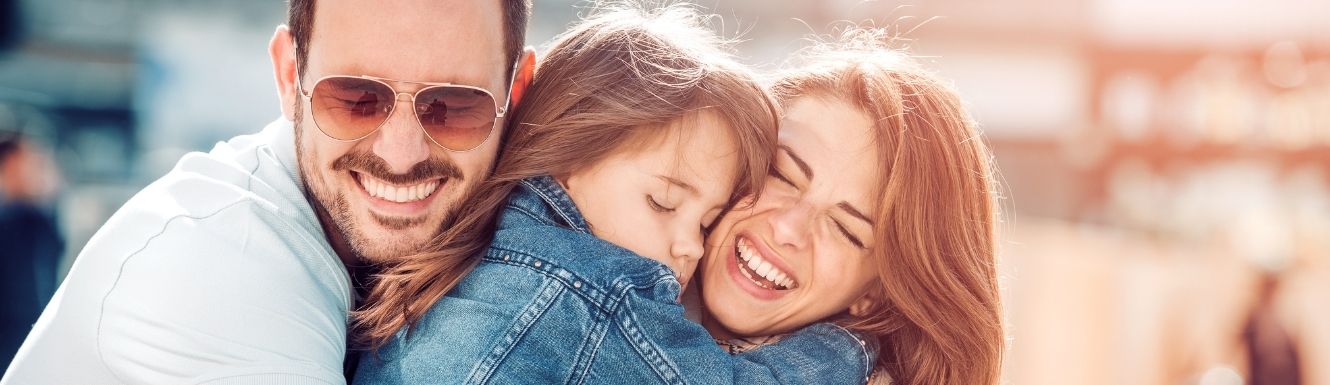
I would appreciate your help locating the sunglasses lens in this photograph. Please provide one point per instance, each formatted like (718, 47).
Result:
(458, 118)
(348, 108)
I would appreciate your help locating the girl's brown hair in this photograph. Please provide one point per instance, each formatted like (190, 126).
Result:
(936, 310)
(619, 77)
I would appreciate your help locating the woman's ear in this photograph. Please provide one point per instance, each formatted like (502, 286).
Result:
(860, 307)
(526, 69)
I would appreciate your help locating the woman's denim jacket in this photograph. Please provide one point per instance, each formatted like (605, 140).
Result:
(552, 304)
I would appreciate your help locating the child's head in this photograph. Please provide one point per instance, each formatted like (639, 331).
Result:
(624, 105)
(650, 126)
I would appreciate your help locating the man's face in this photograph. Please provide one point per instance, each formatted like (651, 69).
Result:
(452, 41)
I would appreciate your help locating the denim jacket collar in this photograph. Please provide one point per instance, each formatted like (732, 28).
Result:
(544, 194)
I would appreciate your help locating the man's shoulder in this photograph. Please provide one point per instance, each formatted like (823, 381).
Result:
(249, 180)
(206, 261)
(216, 213)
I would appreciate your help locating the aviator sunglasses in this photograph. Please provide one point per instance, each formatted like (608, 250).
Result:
(456, 117)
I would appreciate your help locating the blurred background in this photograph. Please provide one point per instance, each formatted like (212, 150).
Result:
(1167, 216)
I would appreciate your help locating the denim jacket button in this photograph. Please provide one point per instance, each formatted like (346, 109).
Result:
(537, 264)
(505, 258)
(577, 284)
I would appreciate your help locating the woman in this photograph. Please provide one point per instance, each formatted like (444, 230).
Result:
(878, 215)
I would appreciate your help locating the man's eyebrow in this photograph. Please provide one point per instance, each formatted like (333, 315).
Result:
(855, 212)
(680, 183)
(803, 166)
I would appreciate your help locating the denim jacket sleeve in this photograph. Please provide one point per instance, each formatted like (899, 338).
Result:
(822, 353)
(818, 354)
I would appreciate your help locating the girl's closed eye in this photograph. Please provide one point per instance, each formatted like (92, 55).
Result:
(780, 176)
(657, 205)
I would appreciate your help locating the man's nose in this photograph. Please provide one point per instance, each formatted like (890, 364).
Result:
(401, 142)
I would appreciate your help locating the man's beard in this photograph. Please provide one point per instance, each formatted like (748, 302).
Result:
(334, 210)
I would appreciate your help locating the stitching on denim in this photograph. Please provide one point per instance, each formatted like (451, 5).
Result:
(596, 296)
(666, 370)
(531, 313)
(595, 339)
(863, 348)
(533, 215)
(562, 207)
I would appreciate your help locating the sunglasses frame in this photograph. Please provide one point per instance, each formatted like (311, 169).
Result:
(499, 111)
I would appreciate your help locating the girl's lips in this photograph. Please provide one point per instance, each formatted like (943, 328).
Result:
(746, 284)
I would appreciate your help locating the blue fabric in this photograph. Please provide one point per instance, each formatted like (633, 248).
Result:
(552, 304)
(28, 258)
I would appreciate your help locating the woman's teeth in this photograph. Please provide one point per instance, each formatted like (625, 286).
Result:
(759, 270)
(400, 194)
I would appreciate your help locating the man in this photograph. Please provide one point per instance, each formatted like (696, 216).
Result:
(232, 268)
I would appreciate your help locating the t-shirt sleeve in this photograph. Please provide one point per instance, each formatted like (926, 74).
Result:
(239, 303)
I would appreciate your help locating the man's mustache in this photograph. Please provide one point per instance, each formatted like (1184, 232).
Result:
(376, 167)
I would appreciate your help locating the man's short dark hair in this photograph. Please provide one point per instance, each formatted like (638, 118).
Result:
(300, 18)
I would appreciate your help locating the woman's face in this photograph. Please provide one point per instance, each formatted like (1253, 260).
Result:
(656, 199)
(800, 253)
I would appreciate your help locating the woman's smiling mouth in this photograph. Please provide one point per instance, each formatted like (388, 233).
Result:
(760, 270)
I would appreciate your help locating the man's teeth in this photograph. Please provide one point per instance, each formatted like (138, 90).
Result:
(400, 194)
(763, 268)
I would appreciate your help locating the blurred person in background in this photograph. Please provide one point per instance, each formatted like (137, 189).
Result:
(1272, 351)
(240, 265)
(32, 243)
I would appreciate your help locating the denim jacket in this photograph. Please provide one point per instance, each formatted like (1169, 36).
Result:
(552, 304)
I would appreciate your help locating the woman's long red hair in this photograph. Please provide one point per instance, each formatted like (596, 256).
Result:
(937, 312)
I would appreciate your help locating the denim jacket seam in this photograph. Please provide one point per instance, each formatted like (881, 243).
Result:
(598, 333)
(645, 346)
(530, 214)
(863, 349)
(601, 299)
(560, 206)
(483, 373)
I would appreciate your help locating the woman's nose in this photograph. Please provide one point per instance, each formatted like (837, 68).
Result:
(790, 225)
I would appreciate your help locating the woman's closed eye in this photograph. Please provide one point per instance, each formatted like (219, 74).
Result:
(847, 235)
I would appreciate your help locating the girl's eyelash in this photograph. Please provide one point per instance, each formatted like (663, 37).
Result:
(651, 201)
(850, 237)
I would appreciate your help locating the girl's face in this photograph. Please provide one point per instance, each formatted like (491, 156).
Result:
(657, 198)
(800, 253)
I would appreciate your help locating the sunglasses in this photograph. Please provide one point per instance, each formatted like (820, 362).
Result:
(456, 117)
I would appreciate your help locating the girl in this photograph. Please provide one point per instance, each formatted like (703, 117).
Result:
(634, 136)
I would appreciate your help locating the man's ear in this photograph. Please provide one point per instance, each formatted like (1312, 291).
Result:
(526, 69)
(283, 53)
